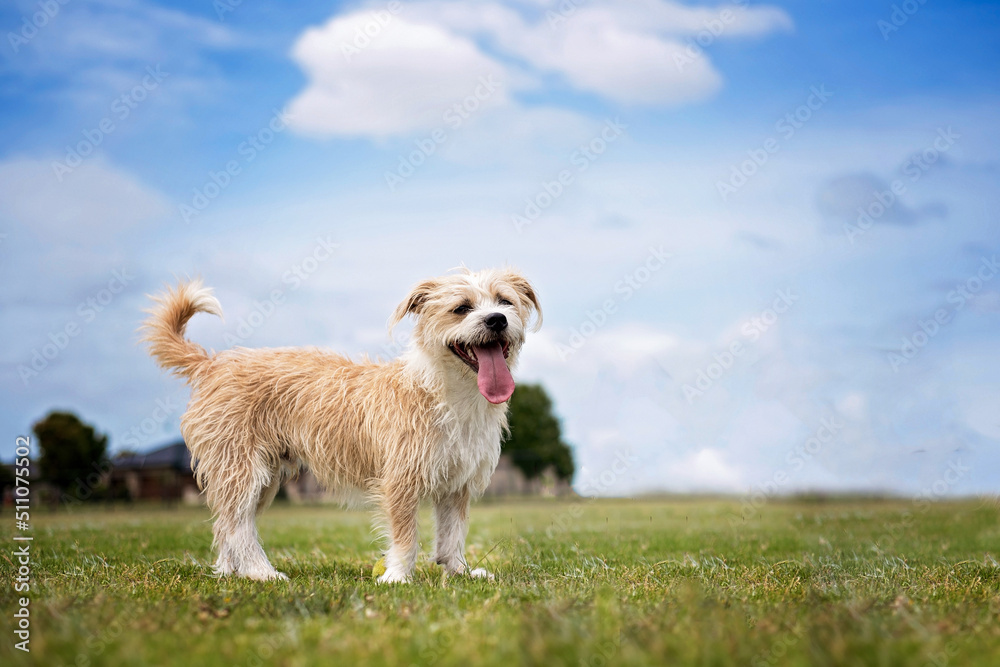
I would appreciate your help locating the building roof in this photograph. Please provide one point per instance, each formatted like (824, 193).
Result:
(174, 456)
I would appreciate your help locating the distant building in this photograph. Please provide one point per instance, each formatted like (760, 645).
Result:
(508, 480)
(165, 474)
(39, 490)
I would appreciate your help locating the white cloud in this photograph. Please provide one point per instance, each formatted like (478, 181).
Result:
(405, 79)
(853, 406)
(375, 73)
(128, 30)
(703, 470)
(92, 52)
(624, 348)
(980, 412)
(92, 202)
(633, 53)
(673, 18)
(519, 137)
(597, 52)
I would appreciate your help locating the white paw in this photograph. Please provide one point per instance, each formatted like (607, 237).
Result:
(267, 575)
(391, 577)
(481, 573)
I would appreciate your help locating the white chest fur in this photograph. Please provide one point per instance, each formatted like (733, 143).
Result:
(470, 444)
(470, 429)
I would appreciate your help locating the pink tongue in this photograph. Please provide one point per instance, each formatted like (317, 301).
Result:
(495, 382)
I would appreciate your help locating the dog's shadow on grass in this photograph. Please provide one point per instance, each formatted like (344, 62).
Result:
(356, 573)
(342, 570)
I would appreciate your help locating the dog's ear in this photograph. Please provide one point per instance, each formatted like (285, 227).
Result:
(413, 303)
(529, 299)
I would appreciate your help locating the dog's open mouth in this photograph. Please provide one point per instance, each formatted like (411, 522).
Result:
(488, 362)
(467, 353)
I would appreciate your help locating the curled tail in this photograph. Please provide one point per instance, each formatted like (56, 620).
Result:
(164, 329)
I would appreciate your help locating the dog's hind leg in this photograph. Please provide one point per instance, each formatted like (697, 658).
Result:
(246, 492)
(285, 471)
(267, 496)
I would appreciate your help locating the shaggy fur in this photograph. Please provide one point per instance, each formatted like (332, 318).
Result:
(399, 432)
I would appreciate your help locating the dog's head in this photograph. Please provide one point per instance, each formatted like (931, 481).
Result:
(474, 324)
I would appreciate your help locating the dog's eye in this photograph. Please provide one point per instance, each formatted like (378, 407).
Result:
(462, 310)
(504, 302)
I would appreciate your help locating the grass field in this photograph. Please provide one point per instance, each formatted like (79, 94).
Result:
(675, 582)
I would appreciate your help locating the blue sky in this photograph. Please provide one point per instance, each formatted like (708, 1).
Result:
(717, 160)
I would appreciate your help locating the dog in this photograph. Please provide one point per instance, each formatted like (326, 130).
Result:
(425, 426)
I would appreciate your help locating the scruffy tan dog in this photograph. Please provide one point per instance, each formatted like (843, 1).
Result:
(425, 426)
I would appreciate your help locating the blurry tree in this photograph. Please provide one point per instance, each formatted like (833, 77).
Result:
(535, 440)
(72, 456)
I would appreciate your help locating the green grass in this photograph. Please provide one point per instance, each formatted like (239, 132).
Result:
(676, 582)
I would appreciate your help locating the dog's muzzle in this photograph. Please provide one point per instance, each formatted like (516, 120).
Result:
(488, 360)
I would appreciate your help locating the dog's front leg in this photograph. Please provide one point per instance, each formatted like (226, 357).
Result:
(451, 518)
(400, 503)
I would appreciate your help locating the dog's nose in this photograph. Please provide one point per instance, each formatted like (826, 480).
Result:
(496, 322)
